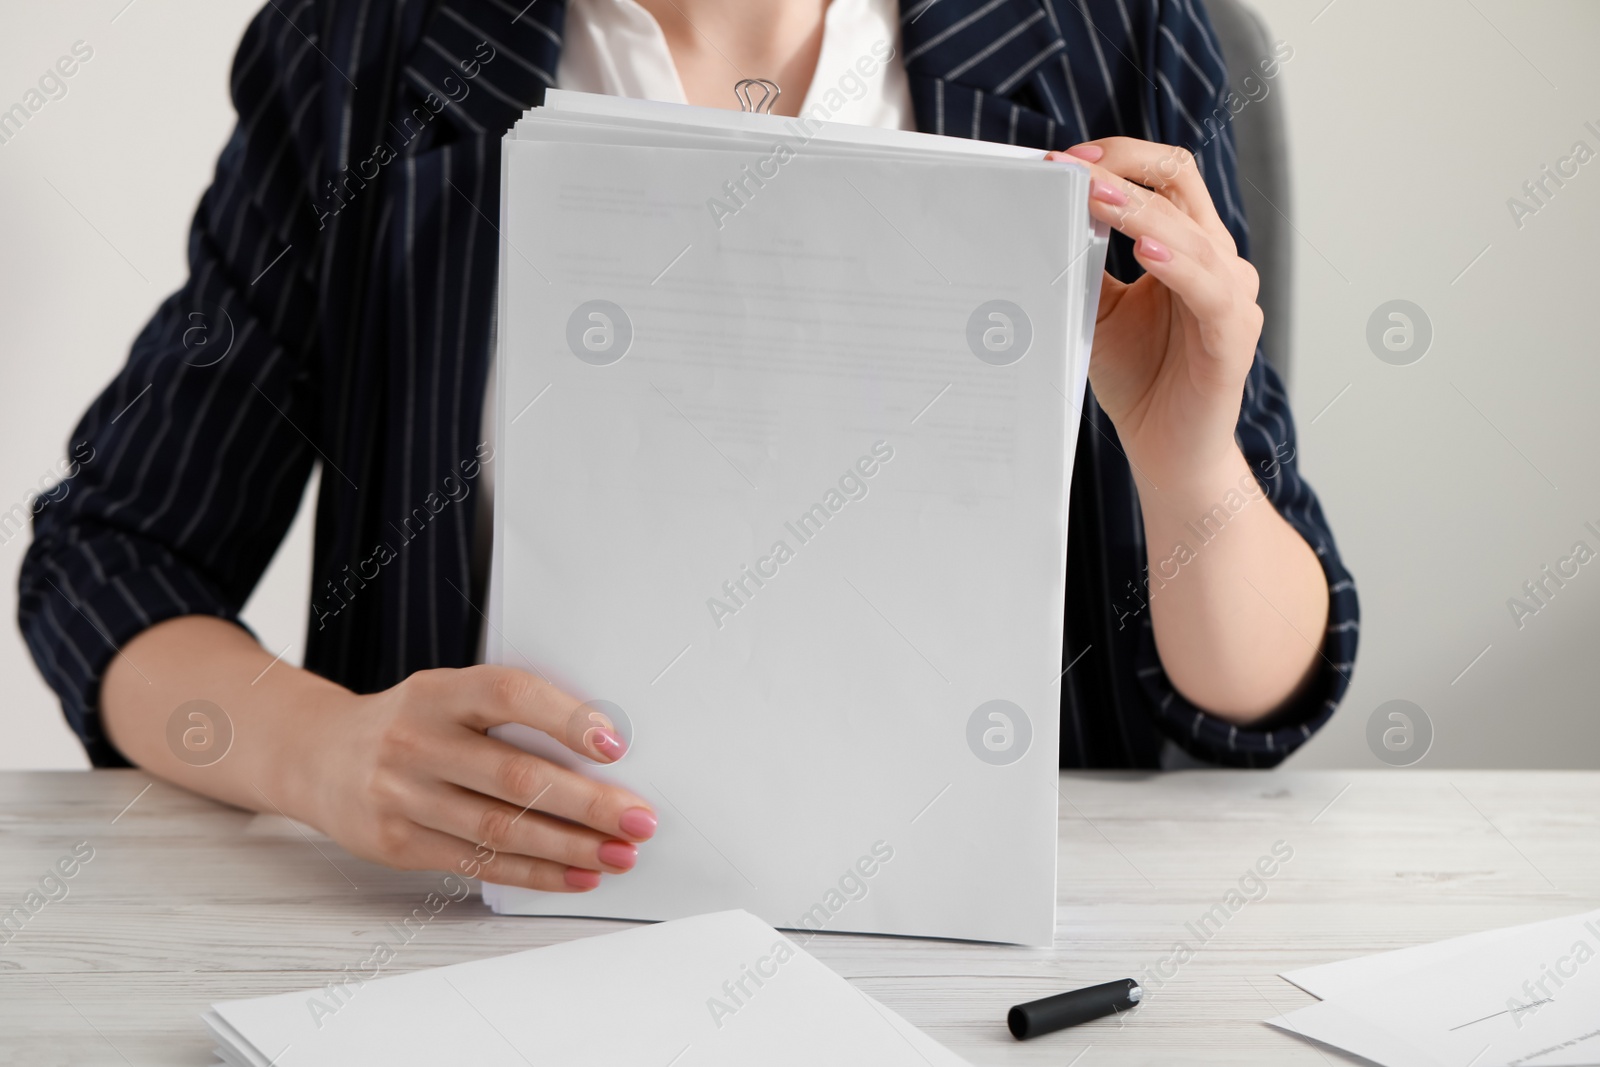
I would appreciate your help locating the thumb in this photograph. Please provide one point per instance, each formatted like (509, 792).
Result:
(1111, 291)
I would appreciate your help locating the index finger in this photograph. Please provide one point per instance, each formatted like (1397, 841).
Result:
(488, 695)
(1170, 170)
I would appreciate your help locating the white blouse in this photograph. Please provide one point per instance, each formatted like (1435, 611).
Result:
(616, 47)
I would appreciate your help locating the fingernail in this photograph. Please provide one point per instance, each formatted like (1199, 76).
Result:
(607, 744)
(619, 854)
(638, 822)
(1092, 152)
(1150, 248)
(1107, 193)
(1062, 157)
(578, 878)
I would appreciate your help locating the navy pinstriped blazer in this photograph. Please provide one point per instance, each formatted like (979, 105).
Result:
(347, 250)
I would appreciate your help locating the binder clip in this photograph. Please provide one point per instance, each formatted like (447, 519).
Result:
(769, 95)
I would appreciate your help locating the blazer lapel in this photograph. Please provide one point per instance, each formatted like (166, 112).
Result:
(487, 61)
(991, 70)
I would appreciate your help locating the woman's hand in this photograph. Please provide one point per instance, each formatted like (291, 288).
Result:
(1238, 617)
(1172, 350)
(408, 777)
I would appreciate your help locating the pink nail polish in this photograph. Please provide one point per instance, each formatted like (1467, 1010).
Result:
(638, 822)
(618, 854)
(1107, 193)
(578, 878)
(1150, 248)
(1092, 152)
(609, 746)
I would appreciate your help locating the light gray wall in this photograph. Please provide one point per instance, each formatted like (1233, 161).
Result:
(1450, 482)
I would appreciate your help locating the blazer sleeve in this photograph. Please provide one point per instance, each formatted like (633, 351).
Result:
(1194, 107)
(192, 462)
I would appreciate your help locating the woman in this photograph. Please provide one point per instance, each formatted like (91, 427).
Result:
(348, 247)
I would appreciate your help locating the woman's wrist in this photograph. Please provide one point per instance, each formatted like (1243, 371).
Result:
(1181, 488)
(304, 744)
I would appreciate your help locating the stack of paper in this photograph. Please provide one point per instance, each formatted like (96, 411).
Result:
(786, 420)
(723, 989)
(1504, 998)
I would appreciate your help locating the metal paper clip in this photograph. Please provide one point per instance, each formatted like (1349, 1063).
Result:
(769, 95)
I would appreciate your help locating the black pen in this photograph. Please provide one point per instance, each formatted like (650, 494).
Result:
(1069, 1009)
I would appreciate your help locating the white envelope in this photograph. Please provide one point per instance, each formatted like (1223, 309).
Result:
(799, 512)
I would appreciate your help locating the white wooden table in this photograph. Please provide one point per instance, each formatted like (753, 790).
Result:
(184, 904)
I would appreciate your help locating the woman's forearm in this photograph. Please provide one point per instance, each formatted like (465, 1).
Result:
(1237, 599)
(270, 710)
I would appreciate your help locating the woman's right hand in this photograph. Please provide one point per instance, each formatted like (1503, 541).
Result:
(409, 777)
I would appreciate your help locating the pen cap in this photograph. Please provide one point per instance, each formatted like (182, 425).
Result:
(1069, 1009)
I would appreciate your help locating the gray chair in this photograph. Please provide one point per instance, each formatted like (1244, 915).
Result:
(1261, 136)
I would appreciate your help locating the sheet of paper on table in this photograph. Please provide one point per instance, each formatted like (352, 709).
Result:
(721, 990)
(1528, 995)
(786, 424)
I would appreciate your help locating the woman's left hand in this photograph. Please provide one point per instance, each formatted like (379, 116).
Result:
(1172, 350)
(1171, 355)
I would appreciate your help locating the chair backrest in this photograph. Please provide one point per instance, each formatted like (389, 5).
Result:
(1261, 136)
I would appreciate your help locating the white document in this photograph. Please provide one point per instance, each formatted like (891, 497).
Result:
(782, 475)
(723, 990)
(1329, 981)
(1525, 996)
